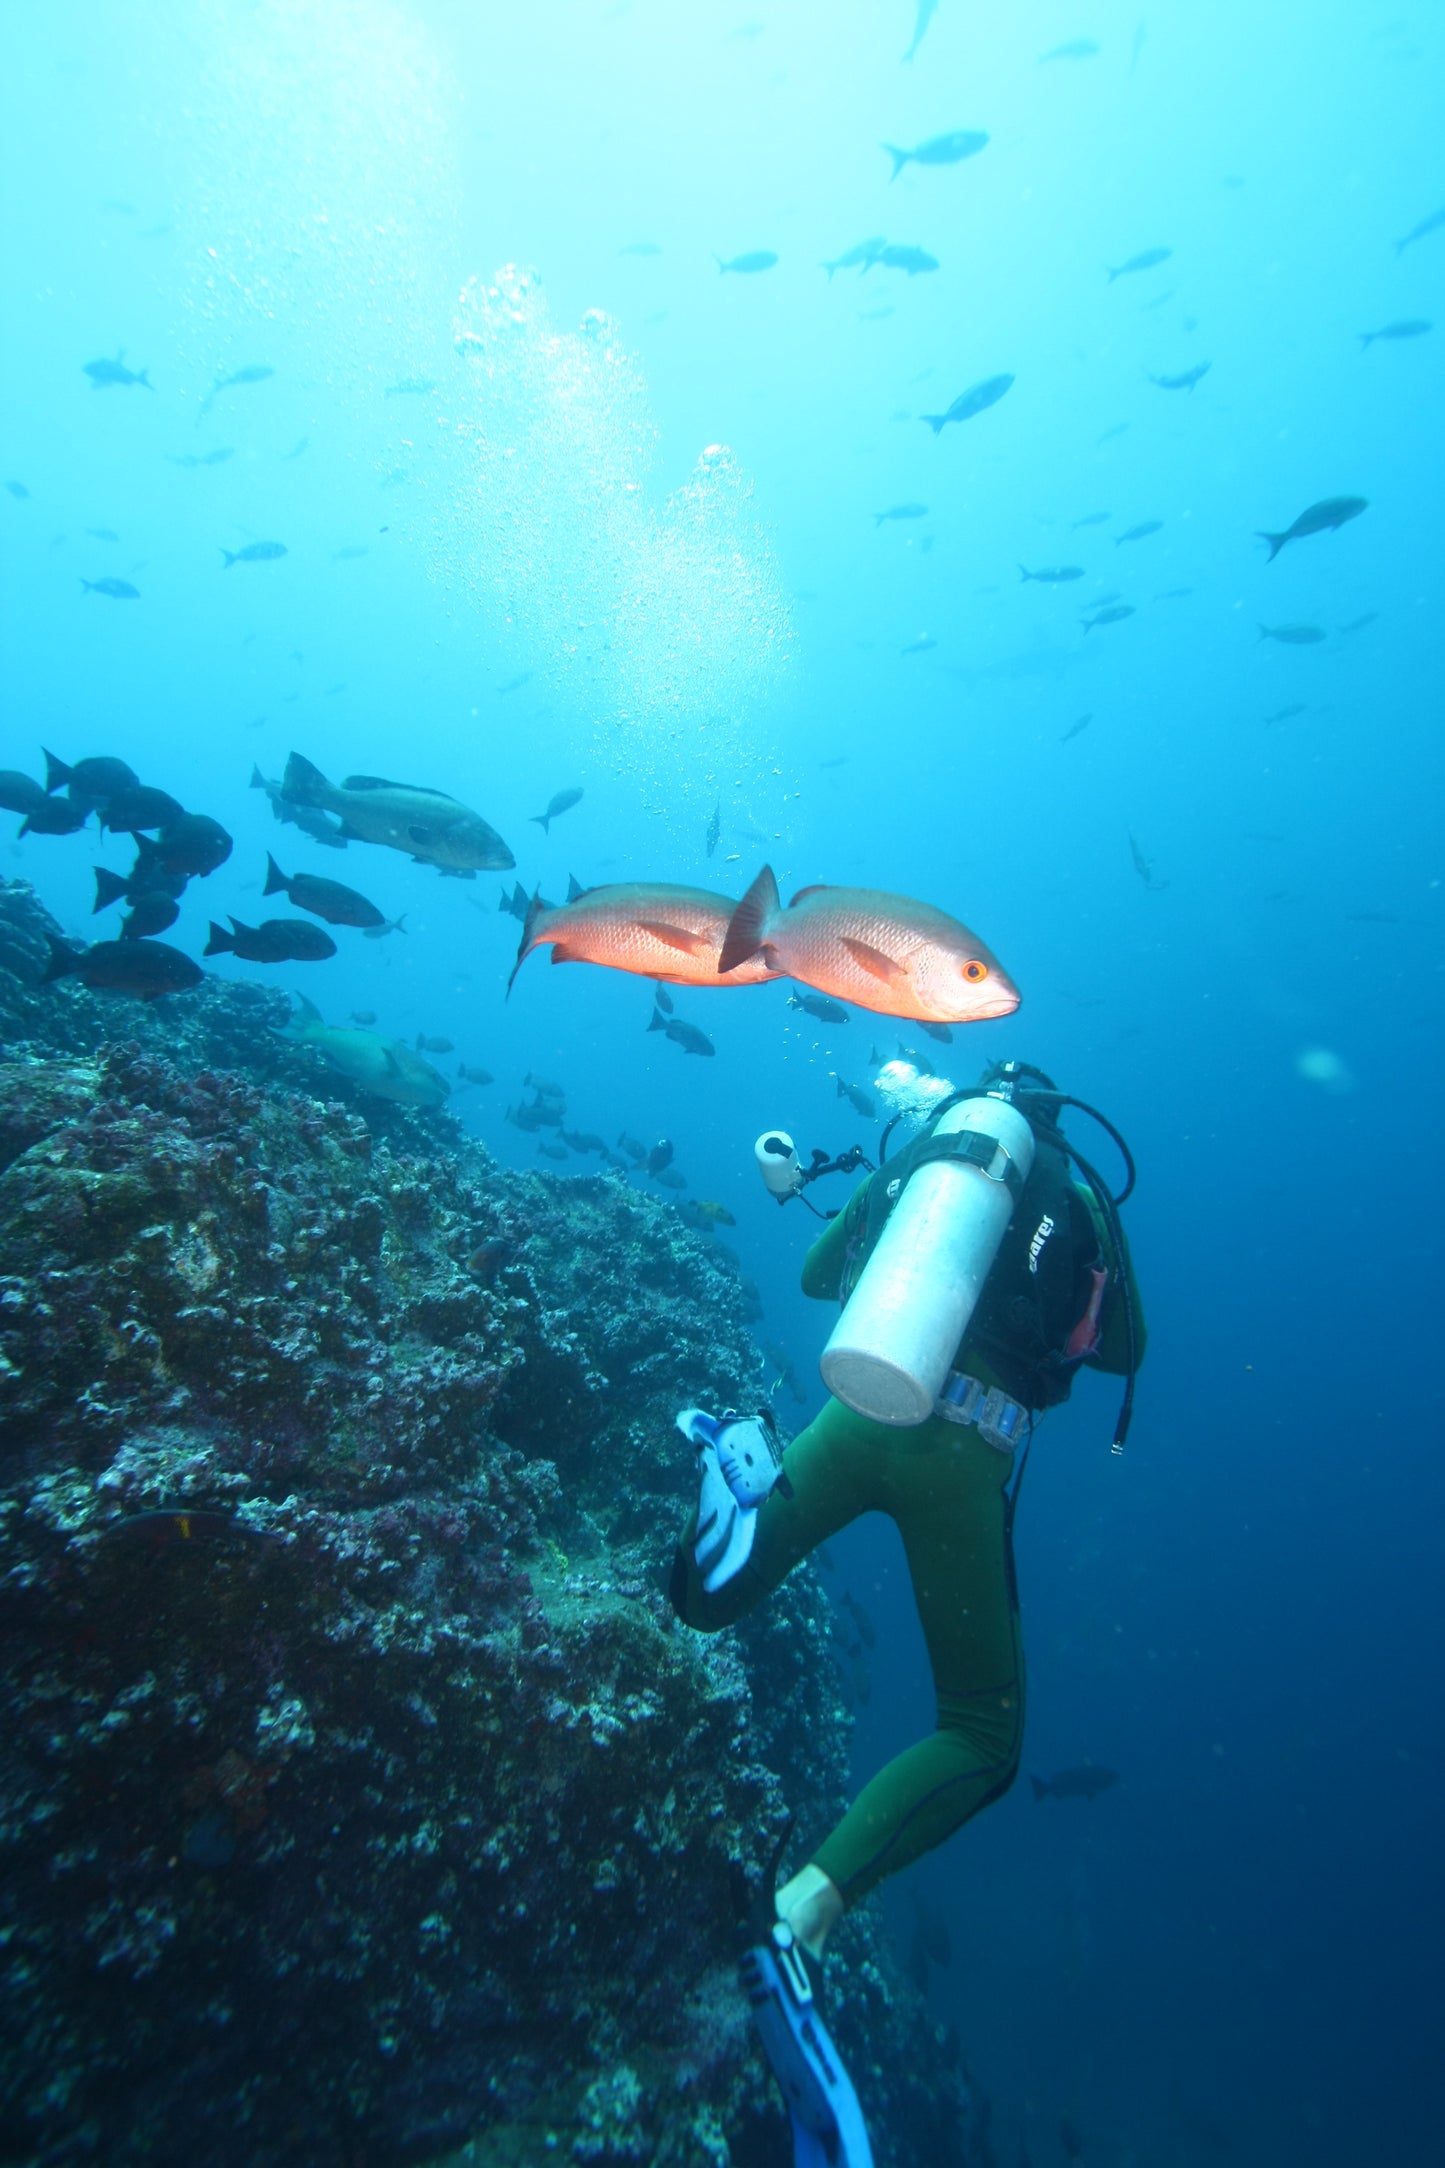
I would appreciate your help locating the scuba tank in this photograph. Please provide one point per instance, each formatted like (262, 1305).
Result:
(890, 1352)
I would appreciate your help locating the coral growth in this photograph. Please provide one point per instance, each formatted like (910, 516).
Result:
(361, 1797)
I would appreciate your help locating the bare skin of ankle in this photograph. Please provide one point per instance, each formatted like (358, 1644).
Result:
(812, 1907)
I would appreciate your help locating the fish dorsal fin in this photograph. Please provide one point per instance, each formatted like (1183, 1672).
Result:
(874, 962)
(819, 888)
(381, 782)
(676, 937)
(748, 926)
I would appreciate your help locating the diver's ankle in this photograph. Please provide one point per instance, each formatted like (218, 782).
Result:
(812, 1906)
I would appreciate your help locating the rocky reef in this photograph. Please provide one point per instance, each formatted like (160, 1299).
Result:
(360, 1798)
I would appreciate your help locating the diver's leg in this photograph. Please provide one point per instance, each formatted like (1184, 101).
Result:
(946, 1489)
(832, 1471)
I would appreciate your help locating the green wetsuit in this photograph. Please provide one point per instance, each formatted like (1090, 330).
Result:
(947, 1491)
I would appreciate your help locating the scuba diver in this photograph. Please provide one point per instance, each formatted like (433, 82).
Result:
(978, 1275)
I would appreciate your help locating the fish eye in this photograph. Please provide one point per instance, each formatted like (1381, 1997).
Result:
(975, 972)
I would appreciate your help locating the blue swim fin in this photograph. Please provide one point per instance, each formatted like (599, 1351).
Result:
(828, 2126)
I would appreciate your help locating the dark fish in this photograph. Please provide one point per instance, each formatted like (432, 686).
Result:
(1293, 635)
(1074, 728)
(939, 150)
(685, 1035)
(138, 806)
(898, 257)
(543, 1086)
(1114, 615)
(19, 491)
(927, 9)
(309, 819)
(562, 802)
(274, 941)
(1093, 519)
(470, 1073)
(19, 793)
(1186, 380)
(636, 1152)
(860, 1101)
(755, 259)
(195, 844)
(1085, 1782)
(1431, 223)
(515, 905)
(1052, 575)
(1081, 49)
(1145, 261)
(670, 1178)
(901, 511)
(150, 915)
(54, 817)
(861, 257)
(425, 1045)
(117, 590)
(660, 1156)
(363, 1016)
(144, 969)
(714, 830)
(1137, 534)
(410, 387)
(255, 553)
(1327, 516)
(201, 459)
(105, 373)
(255, 372)
(819, 1005)
(663, 998)
(968, 403)
(331, 900)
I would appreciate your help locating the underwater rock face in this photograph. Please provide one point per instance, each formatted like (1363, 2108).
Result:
(359, 1794)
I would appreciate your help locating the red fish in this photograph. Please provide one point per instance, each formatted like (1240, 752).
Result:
(657, 929)
(879, 951)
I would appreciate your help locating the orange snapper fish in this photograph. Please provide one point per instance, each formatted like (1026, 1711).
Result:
(657, 929)
(879, 951)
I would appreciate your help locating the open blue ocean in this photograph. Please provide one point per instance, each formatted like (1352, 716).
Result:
(845, 438)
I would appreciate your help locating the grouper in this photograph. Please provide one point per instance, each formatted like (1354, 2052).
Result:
(384, 1067)
(430, 827)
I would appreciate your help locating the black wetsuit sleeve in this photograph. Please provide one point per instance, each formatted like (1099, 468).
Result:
(823, 1265)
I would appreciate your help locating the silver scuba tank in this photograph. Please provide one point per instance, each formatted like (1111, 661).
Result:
(891, 1350)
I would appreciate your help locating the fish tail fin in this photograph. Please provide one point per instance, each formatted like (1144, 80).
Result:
(63, 959)
(230, 557)
(109, 888)
(748, 926)
(900, 159)
(1041, 1789)
(935, 422)
(528, 941)
(275, 878)
(1276, 543)
(219, 942)
(304, 782)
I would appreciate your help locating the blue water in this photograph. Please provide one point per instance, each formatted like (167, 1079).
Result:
(1233, 1954)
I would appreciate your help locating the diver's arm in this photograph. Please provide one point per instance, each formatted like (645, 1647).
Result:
(823, 1265)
